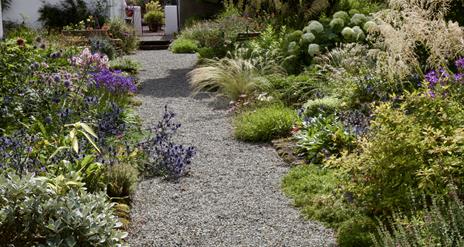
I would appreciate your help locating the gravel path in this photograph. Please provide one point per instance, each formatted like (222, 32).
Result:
(232, 196)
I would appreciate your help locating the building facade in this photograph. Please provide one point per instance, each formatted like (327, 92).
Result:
(27, 11)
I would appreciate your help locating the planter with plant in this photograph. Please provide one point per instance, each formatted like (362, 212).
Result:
(154, 20)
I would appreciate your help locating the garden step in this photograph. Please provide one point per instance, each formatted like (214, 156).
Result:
(155, 45)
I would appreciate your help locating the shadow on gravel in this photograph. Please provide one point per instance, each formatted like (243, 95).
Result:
(174, 85)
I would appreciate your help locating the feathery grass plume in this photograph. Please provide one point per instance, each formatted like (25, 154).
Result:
(416, 37)
(350, 57)
(240, 73)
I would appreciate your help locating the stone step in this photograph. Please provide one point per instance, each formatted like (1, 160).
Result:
(154, 45)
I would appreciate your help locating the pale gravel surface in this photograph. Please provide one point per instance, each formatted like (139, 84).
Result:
(232, 196)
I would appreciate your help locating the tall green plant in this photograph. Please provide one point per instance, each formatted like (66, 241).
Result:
(438, 224)
(296, 13)
(62, 14)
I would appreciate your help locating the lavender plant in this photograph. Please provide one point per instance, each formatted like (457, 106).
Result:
(165, 156)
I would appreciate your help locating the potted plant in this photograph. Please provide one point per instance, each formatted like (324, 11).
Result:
(154, 19)
(129, 11)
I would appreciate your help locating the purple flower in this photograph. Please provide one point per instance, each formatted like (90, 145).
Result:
(460, 63)
(172, 158)
(443, 73)
(90, 100)
(48, 120)
(57, 78)
(432, 77)
(458, 76)
(67, 83)
(55, 55)
(35, 65)
(114, 82)
(65, 113)
(431, 94)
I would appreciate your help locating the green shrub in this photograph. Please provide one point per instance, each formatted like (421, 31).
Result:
(153, 5)
(361, 6)
(293, 48)
(337, 24)
(209, 52)
(359, 34)
(324, 34)
(358, 19)
(314, 191)
(126, 65)
(356, 232)
(121, 180)
(120, 30)
(354, 12)
(322, 137)
(440, 223)
(306, 39)
(35, 213)
(103, 46)
(184, 46)
(293, 90)
(207, 34)
(214, 38)
(342, 15)
(295, 36)
(348, 34)
(313, 49)
(369, 25)
(154, 17)
(315, 27)
(264, 124)
(327, 105)
(90, 172)
(412, 149)
(62, 14)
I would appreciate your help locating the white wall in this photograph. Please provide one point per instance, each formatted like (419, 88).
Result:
(28, 10)
(117, 8)
(1, 24)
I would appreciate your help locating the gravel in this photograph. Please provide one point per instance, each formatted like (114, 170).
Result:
(232, 195)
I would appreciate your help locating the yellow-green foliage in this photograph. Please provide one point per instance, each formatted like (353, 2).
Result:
(264, 124)
(316, 191)
(313, 190)
(154, 17)
(122, 180)
(325, 105)
(182, 45)
(153, 5)
(413, 149)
